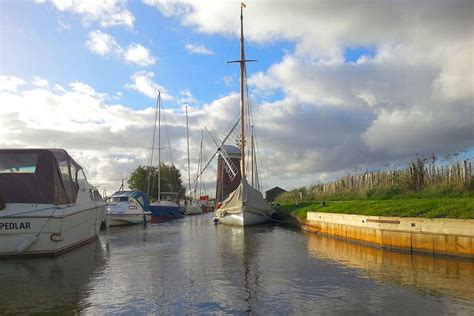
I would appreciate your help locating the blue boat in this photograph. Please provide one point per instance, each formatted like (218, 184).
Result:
(164, 211)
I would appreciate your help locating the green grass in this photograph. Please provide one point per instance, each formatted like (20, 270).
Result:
(434, 207)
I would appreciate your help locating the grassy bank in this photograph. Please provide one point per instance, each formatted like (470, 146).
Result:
(421, 190)
(432, 207)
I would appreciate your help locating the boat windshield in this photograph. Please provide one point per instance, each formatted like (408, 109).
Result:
(18, 163)
(116, 199)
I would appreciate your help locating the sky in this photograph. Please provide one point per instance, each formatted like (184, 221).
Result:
(338, 87)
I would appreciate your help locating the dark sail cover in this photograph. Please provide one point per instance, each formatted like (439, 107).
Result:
(38, 176)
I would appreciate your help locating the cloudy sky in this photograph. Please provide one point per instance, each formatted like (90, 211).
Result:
(339, 86)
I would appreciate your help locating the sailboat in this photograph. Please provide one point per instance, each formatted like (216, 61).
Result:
(245, 206)
(192, 206)
(161, 210)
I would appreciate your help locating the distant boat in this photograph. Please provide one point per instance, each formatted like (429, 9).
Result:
(245, 206)
(47, 206)
(128, 208)
(162, 210)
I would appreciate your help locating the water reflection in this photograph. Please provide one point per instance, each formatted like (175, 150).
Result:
(434, 275)
(50, 284)
(241, 262)
(191, 266)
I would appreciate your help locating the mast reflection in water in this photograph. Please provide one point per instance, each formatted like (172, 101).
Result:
(192, 266)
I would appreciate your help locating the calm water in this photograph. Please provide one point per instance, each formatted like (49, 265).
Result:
(191, 266)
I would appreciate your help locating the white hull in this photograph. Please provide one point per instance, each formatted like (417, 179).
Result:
(39, 231)
(193, 210)
(126, 219)
(243, 219)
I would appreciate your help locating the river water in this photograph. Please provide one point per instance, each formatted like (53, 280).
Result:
(192, 266)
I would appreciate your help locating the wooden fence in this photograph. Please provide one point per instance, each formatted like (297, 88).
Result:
(417, 176)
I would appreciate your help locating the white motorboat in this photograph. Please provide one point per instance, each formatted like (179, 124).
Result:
(47, 206)
(127, 208)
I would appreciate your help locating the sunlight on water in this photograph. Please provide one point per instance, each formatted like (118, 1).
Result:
(193, 266)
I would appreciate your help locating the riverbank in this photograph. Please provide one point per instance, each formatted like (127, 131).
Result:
(442, 226)
(433, 207)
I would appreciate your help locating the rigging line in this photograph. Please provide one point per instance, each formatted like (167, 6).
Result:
(167, 136)
(262, 165)
(257, 179)
(26, 212)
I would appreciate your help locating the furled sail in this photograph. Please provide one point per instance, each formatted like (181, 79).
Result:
(245, 199)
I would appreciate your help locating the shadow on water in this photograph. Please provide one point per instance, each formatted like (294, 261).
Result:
(430, 274)
(49, 285)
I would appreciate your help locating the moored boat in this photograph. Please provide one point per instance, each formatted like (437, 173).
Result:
(193, 207)
(128, 208)
(244, 206)
(164, 211)
(47, 206)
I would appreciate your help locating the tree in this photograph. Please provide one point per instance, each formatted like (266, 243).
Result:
(170, 180)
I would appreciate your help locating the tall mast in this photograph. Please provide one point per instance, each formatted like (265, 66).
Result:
(148, 192)
(242, 62)
(242, 110)
(187, 141)
(159, 146)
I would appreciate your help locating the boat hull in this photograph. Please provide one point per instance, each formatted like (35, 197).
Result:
(193, 210)
(243, 218)
(162, 213)
(126, 219)
(51, 232)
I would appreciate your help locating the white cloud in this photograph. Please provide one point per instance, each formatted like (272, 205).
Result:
(79, 120)
(103, 44)
(10, 83)
(198, 49)
(106, 13)
(142, 82)
(414, 95)
(321, 29)
(86, 89)
(40, 82)
(186, 97)
(139, 55)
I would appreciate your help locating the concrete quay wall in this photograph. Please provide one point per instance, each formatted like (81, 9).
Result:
(443, 236)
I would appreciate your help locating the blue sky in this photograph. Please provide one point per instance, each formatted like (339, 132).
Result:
(335, 88)
(38, 40)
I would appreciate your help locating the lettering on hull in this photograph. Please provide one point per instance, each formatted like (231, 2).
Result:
(15, 226)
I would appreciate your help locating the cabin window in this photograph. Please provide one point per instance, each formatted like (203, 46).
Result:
(65, 172)
(70, 183)
(18, 163)
(97, 196)
(119, 199)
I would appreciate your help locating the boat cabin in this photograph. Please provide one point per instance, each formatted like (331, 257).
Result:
(133, 199)
(38, 176)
